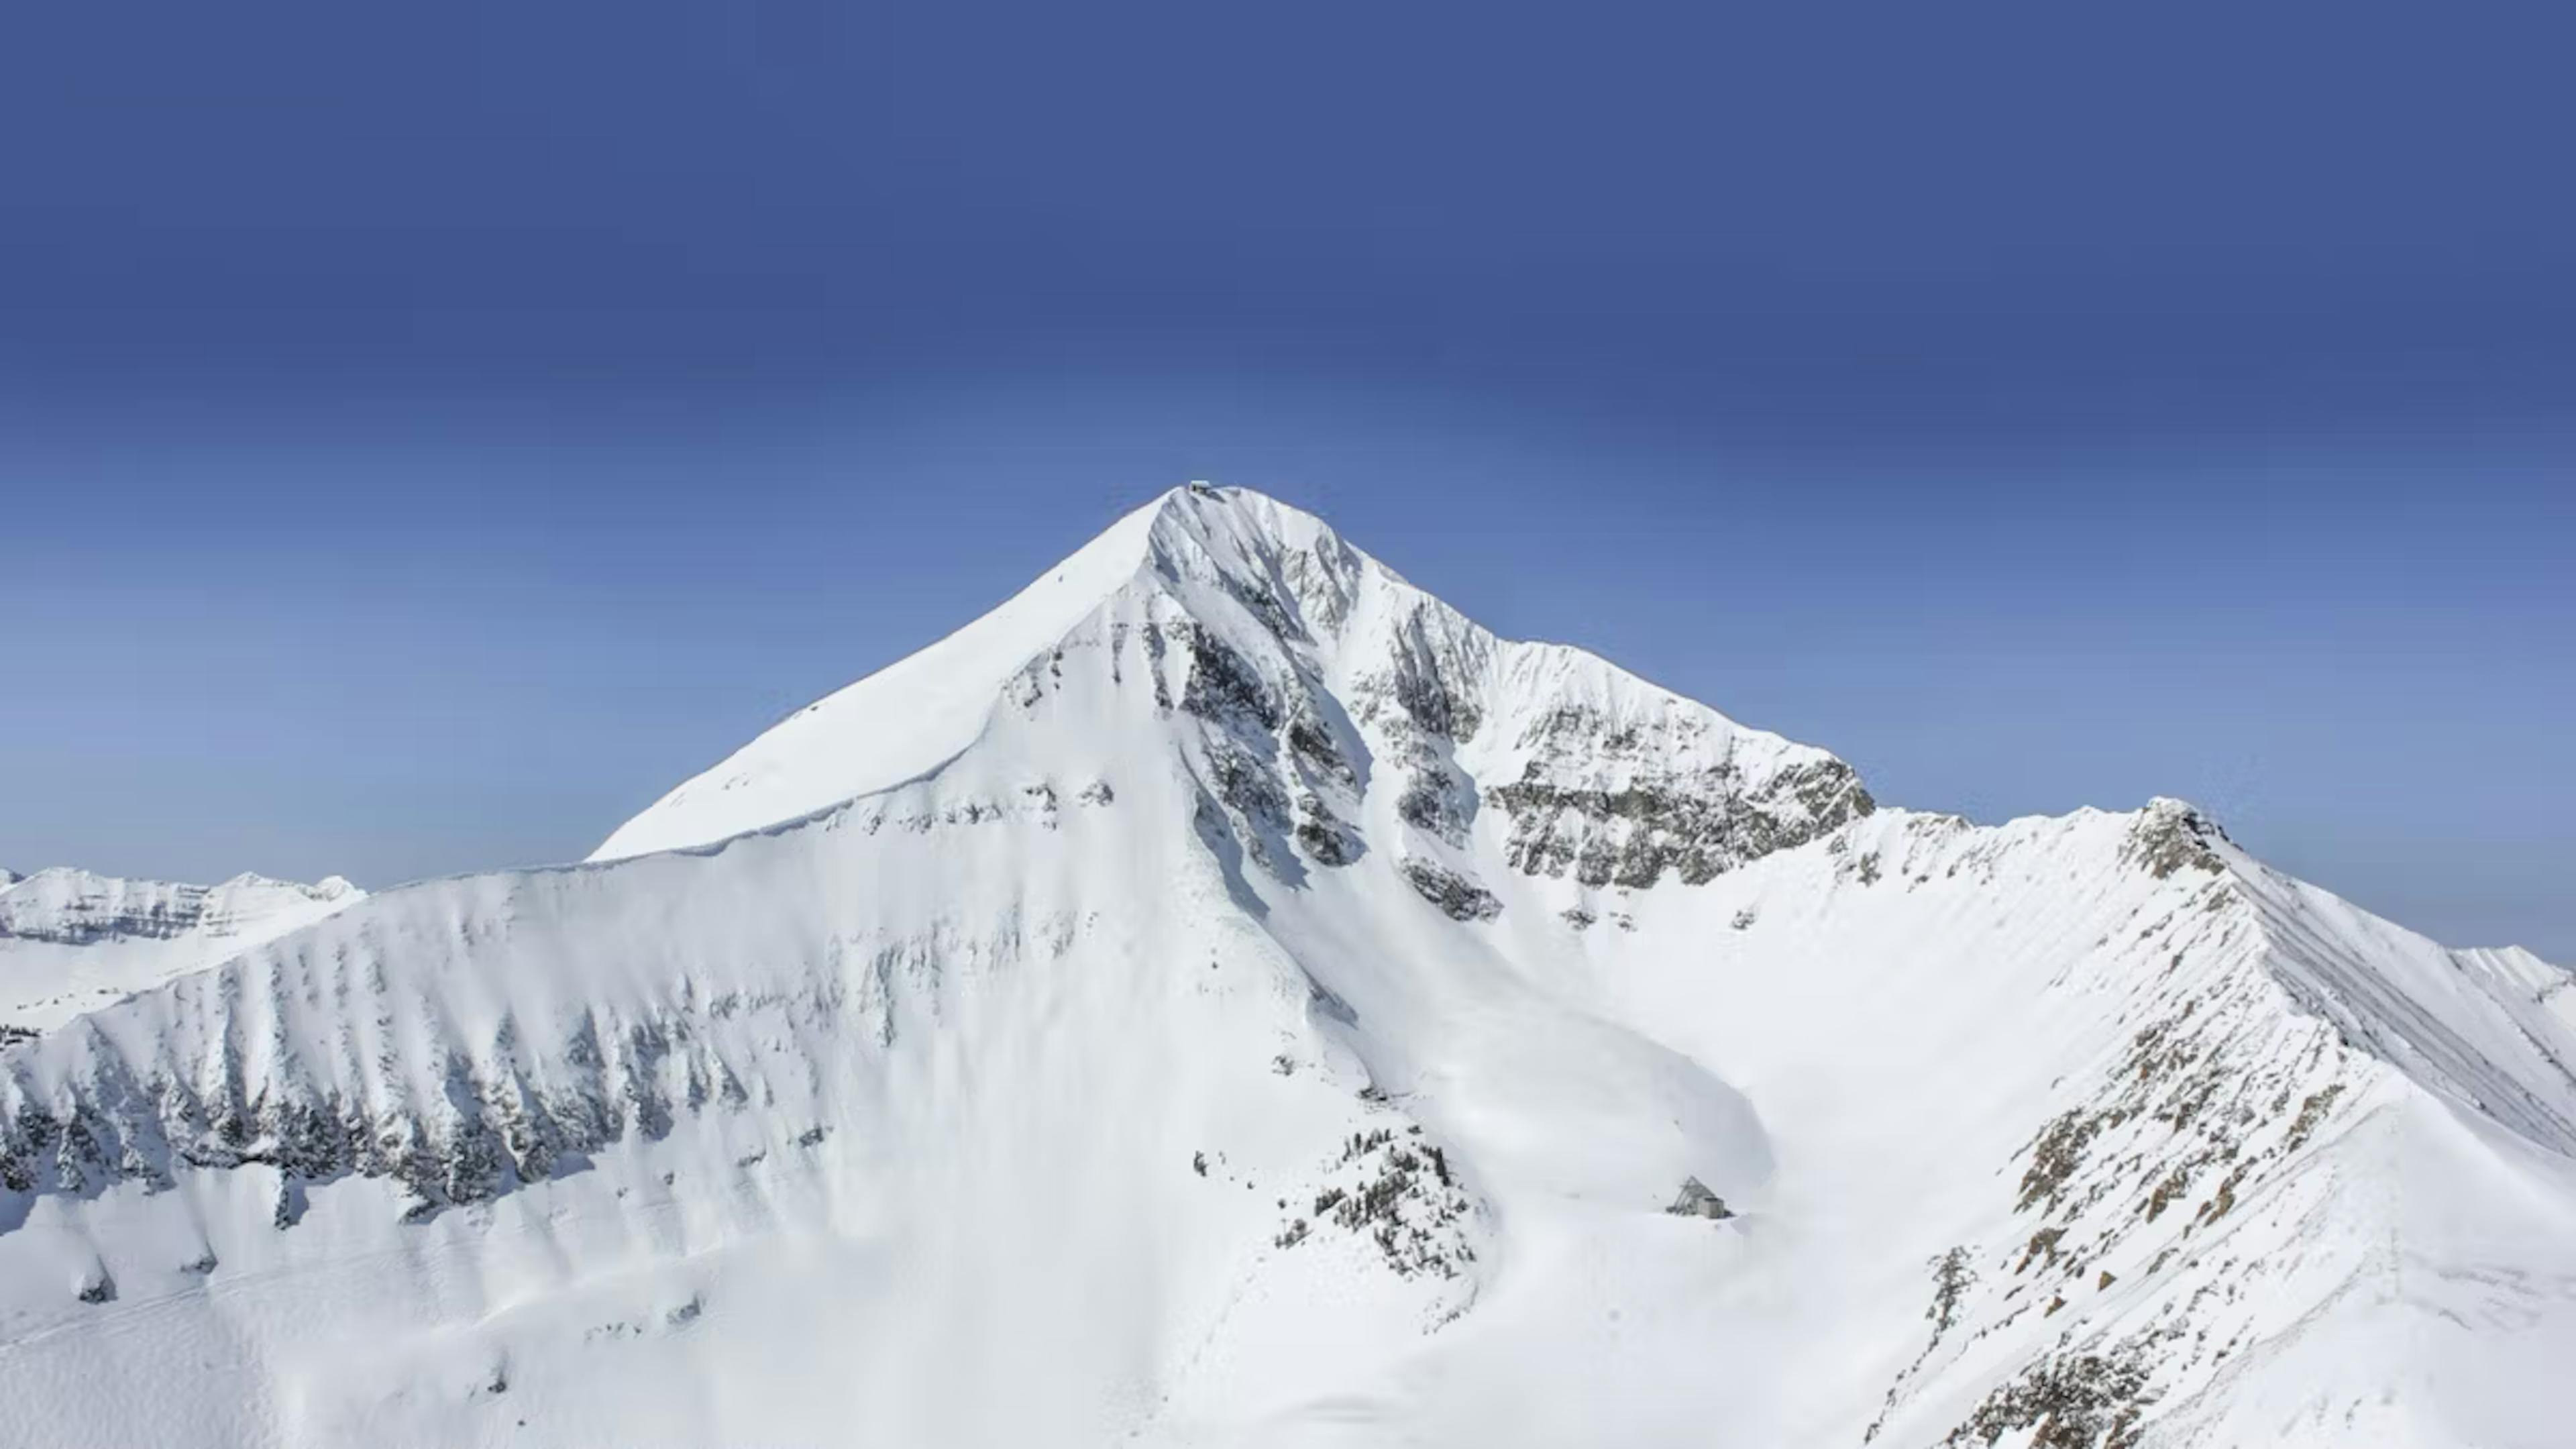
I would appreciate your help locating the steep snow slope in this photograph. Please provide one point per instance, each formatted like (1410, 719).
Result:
(70, 939)
(1232, 999)
(902, 721)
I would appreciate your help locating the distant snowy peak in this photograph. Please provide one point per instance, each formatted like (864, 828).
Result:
(2519, 968)
(2513, 973)
(73, 939)
(1216, 582)
(78, 907)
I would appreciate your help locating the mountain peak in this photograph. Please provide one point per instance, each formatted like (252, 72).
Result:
(1250, 543)
(1187, 991)
(1219, 587)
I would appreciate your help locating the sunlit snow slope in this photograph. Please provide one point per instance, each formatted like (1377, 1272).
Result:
(1226, 997)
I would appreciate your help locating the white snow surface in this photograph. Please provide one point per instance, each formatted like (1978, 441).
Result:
(1225, 997)
(71, 940)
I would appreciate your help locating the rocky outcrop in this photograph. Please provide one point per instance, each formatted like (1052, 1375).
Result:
(1458, 898)
(499, 1118)
(1439, 800)
(2171, 836)
(1623, 803)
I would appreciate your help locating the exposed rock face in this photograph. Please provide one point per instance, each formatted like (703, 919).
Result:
(496, 1119)
(1439, 801)
(1459, 898)
(1333, 695)
(1622, 799)
(1221, 686)
(2072, 1400)
(1693, 826)
(1430, 662)
(2171, 836)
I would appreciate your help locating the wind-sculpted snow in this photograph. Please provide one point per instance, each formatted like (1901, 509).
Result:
(1227, 997)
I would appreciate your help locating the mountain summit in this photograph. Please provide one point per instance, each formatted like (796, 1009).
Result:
(1237, 595)
(1224, 996)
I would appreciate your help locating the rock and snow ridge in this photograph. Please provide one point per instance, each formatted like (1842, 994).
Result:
(1227, 997)
(71, 940)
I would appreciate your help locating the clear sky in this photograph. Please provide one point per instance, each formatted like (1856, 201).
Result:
(428, 433)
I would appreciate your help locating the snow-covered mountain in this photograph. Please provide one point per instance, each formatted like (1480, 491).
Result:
(1224, 996)
(71, 940)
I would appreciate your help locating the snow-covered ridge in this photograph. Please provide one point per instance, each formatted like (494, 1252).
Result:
(77, 907)
(2180, 1168)
(2515, 972)
(72, 939)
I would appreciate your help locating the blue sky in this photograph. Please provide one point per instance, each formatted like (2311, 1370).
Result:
(426, 436)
